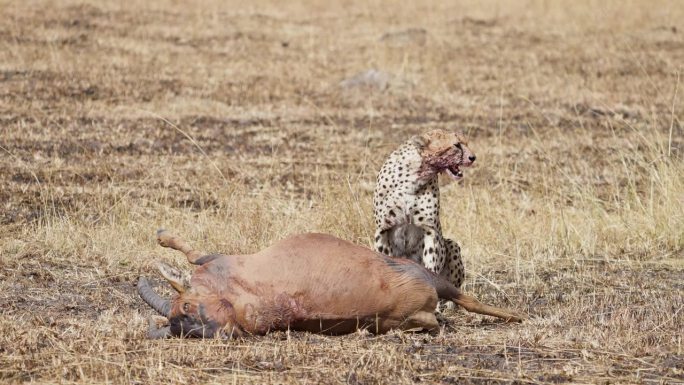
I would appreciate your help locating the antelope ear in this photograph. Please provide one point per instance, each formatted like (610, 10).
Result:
(177, 280)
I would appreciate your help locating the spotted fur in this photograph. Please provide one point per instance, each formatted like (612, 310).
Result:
(406, 202)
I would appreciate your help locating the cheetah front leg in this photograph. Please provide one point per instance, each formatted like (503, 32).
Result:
(384, 223)
(453, 267)
(434, 255)
(433, 250)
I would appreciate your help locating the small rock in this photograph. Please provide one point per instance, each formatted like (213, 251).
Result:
(416, 36)
(371, 79)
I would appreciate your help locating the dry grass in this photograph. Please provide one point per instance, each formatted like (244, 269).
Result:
(227, 124)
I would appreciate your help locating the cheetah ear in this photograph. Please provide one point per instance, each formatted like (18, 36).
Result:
(423, 140)
(461, 137)
(420, 141)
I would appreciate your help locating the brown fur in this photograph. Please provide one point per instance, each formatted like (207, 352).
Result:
(309, 282)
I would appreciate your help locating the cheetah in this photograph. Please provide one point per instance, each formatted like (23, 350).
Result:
(406, 202)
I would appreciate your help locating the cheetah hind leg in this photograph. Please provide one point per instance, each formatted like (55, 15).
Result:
(382, 242)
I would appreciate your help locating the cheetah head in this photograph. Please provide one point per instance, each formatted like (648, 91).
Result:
(443, 151)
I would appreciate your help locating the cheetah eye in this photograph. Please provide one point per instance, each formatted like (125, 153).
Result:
(459, 146)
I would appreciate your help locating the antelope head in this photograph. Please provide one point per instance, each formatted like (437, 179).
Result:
(190, 313)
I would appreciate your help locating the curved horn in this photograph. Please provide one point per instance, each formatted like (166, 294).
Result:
(155, 333)
(162, 306)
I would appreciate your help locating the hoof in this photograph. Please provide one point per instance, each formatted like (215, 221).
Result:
(163, 237)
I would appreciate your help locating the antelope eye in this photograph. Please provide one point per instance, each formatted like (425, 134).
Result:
(186, 307)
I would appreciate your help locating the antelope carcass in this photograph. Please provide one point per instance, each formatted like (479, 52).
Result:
(308, 282)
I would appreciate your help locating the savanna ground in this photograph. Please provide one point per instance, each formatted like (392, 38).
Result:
(232, 125)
